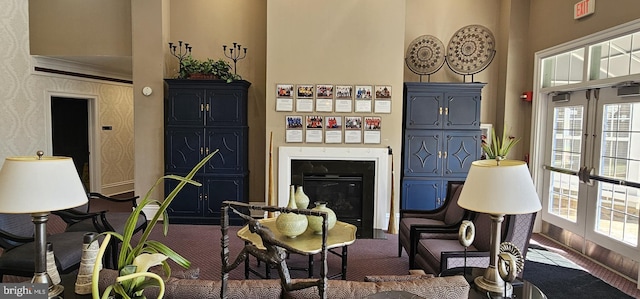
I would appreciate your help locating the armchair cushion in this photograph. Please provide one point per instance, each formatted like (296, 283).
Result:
(67, 249)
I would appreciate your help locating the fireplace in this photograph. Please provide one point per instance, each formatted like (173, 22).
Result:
(374, 161)
(346, 186)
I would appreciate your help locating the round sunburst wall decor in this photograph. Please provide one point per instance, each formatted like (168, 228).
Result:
(425, 55)
(470, 50)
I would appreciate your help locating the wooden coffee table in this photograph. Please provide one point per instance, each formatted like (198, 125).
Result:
(340, 236)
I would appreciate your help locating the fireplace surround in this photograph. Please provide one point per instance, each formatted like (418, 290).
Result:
(379, 156)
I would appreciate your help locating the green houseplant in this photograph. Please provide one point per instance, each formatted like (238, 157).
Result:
(134, 260)
(499, 147)
(191, 68)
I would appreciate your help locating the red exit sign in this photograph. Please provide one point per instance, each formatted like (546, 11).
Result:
(584, 8)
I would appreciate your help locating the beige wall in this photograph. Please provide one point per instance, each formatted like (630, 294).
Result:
(209, 24)
(80, 27)
(25, 96)
(335, 42)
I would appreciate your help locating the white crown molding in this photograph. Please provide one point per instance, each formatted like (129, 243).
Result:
(95, 66)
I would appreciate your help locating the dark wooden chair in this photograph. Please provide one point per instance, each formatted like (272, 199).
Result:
(81, 219)
(441, 222)
(17, 242)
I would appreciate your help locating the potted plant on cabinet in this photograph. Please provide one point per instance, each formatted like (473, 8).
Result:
(191, 68)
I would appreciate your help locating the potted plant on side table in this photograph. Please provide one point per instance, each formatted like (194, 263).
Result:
(134, 260)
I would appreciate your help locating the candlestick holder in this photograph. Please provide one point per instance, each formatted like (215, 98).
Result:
(235, 57)
(180, 54)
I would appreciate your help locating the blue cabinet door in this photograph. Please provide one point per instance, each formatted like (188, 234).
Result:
(226, 106)
(422, 153)
(223, 188)
(423, 110)
(231, 143)
(462, 110)
(420, 194)
(461, 148)
(184, 107)
(188, 203)
(183, 148)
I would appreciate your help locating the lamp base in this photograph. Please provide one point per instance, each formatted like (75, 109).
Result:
(55, 290)
(492, 287)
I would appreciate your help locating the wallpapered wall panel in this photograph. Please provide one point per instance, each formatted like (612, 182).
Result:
(23, 97)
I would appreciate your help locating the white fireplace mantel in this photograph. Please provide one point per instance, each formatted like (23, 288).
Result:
(378, 155)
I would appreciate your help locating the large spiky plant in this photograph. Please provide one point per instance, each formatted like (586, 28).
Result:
(134, 260)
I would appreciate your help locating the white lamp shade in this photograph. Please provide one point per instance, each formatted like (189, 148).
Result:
(32, 185)
(504, 189)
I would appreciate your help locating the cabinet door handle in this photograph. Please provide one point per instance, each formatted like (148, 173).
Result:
(439, 154)
(201, 151)
(440, 110)
(445, 155)
(446, 111)
(206, 197)
(206, 150)
(207, 107)
(200, 197)
(201, 107)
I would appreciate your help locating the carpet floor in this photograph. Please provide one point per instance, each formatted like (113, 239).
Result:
(200, 244)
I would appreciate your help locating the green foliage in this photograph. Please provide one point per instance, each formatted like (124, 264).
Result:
(498, 147)
(132, 288)
(219, 68)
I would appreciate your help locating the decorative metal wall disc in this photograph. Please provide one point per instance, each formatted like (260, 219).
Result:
(425, 55)
(471, 49)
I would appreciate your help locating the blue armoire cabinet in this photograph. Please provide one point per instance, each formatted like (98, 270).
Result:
(441, 137)
(202, 116)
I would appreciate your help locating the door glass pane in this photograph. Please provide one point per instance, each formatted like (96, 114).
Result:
(565, 153)
(619, 158)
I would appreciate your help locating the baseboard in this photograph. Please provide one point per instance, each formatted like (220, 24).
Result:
(150, 211)
(117, 188)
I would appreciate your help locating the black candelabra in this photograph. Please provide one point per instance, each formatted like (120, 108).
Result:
(180, 55)
(235, 57)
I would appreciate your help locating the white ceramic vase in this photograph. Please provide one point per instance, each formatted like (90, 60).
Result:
(315, 222)
(291, 224)
(302, 200)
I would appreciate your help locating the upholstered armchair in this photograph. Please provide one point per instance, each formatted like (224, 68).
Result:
(82, 219)
(437, 255)
(17, 242)
(441, 222)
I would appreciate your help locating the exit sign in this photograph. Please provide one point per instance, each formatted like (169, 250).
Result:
(584, 8)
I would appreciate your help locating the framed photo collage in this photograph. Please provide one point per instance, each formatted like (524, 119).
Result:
(316, 112)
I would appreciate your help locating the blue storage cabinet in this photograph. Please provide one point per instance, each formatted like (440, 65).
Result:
(442, 136)
(202, 116)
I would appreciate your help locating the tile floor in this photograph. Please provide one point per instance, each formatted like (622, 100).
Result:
(556, 254)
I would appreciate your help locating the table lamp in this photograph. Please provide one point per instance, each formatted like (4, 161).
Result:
(498, 188)
(36, 186)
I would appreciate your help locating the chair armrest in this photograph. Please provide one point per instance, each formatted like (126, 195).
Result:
(14, 238)
(133, 200)
(71, 216)
(431, 214)
(445, 256)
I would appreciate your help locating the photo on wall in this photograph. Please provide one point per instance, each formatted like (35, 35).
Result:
(353, 129)
(364, 92)
(383, 91)
(304, 91)
(344, 91)
(284, 90)
(324, 91)
(333, 129)
(293, 132)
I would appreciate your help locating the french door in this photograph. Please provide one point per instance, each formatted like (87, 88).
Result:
(592, 167)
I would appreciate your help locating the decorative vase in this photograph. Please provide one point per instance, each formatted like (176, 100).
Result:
(315, 222)
(291, 224)
(302, 200)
